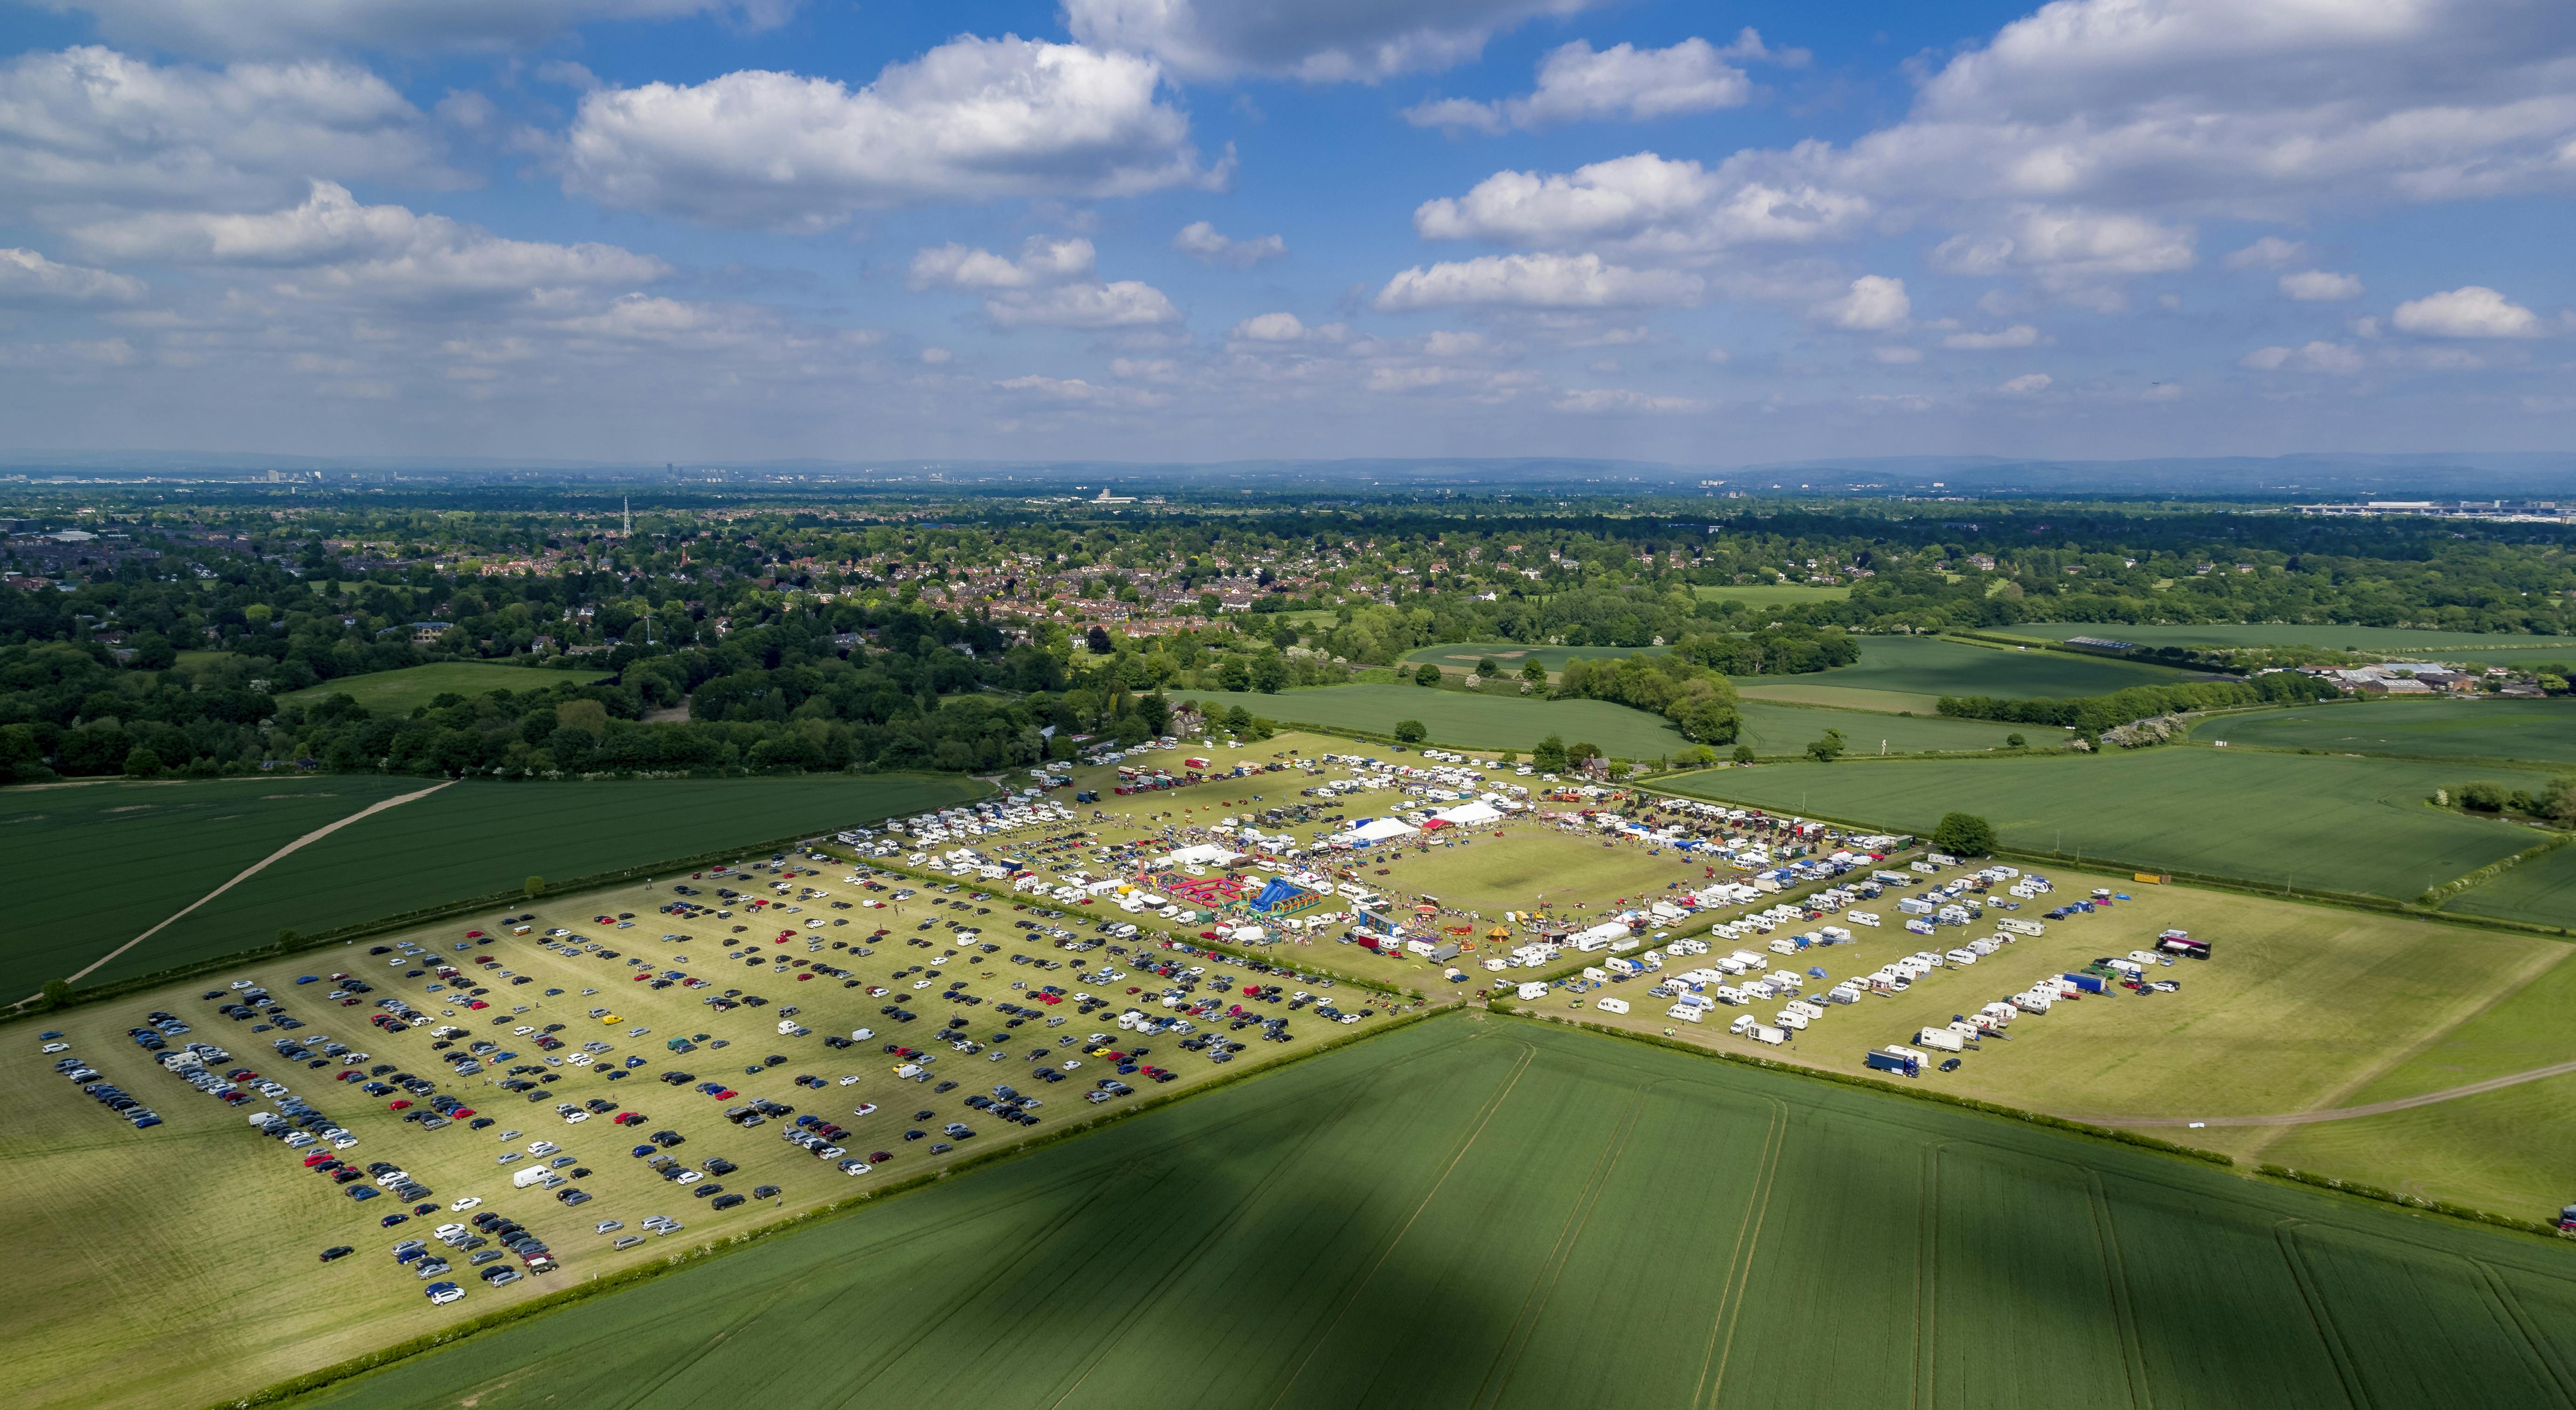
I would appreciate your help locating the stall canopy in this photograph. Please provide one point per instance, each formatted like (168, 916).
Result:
(1469, 814)
(1374, 830)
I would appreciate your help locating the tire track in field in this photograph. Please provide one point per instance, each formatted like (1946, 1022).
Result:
(2115, 1276)
(2510, 1308)
(2344, 1113)
(247, 873)
(1739, 1267)
(2285, 1236)
(1542, 1290)
(1342, 1304)
(1927, 1276)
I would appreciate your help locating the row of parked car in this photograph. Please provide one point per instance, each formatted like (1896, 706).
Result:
(107, 1094)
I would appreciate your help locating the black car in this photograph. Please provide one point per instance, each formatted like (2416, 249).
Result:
(726, 1202)
(337, 1251)
(765, 1192)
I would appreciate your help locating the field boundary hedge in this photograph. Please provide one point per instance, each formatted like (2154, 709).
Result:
(2210, 880)
(598, 1286)
(2461, 885)
(2358, 1190)
(359, 930)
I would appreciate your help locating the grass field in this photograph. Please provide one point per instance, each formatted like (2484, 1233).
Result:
(1469, 721)
(401, 692)
(1933, 666)
(142, 1250)
(2302, 1008)
(2390, 640)
(477, 838)
(1465, 720)
(1798, 690)
(98, 864)
(1491, 1212)
(2355, 825)
(2542, 731)
(2541, 891)
(1771, 594)
(1510, 654)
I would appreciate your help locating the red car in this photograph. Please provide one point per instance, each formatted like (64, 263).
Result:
(803, 977)
(726, 1094)
(345, 1003)
(473, 935)
(315, 1159)
(478, 1004)
(399, 1105)
(462, 1112)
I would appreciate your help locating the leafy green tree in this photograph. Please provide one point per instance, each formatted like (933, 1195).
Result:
(1487, 667)
(1549, 756)
(1533, 672)
(1269, 673)
(2483, 797)
(2015, 741)
(1429, 674)
(1828, 748)
(1234, 675)
(2558, 800)
(536, 887)
(142, 763)
(1411, 731)
(1963, 835)
(1743, 754)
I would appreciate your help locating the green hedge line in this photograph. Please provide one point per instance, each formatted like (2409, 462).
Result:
(618, 1282)
(2433, 1206)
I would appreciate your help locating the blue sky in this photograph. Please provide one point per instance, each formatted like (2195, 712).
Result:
(1170, 229)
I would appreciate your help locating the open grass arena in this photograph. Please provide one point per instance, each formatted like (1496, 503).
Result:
(1493, 1212)
(2542, 731)
(402, 691)
(470, 839)
(2332, 824)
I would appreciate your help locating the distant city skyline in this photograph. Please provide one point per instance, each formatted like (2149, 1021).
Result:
(675, 231)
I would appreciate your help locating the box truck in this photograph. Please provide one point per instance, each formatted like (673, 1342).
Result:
(1889, 1060)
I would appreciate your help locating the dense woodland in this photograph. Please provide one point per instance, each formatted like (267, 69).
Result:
(795, 638)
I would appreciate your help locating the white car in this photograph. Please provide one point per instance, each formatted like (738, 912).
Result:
(450, 1231)
(863, 1108)
(850, 1080)
(855, 1167)
(58, 1047)
(576, 1118)
(466, 1203)
(609, 1226)
(543, 1148)
(442, 1294)
(689, 1177)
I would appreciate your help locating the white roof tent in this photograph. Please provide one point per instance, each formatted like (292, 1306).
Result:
(1469, 814)
(1370, 830)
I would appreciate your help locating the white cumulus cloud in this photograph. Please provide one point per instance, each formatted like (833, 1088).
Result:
(1200, 241)
(1041, 261)
(1537, 281)
(1620, 83)
(2320, 286)
(2029, 384)
(1642, 203)
(1318, 41)
(2471, 311)
(27, 277)
(971, 119)
(1601, 401)
(1874, 303)
(1125, 303)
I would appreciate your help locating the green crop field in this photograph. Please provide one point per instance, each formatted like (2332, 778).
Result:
(1499, 1213)
(97, 864)
(1470, 721)
(2336, 824)
(2390, 640)
(401, 692)
(1933, 666)
(2538, 730)
(2541, 891)
(1510, 654)
(476, 838)
(1771, 594)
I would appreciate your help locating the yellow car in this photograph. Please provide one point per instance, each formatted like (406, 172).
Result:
(610, 1018)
